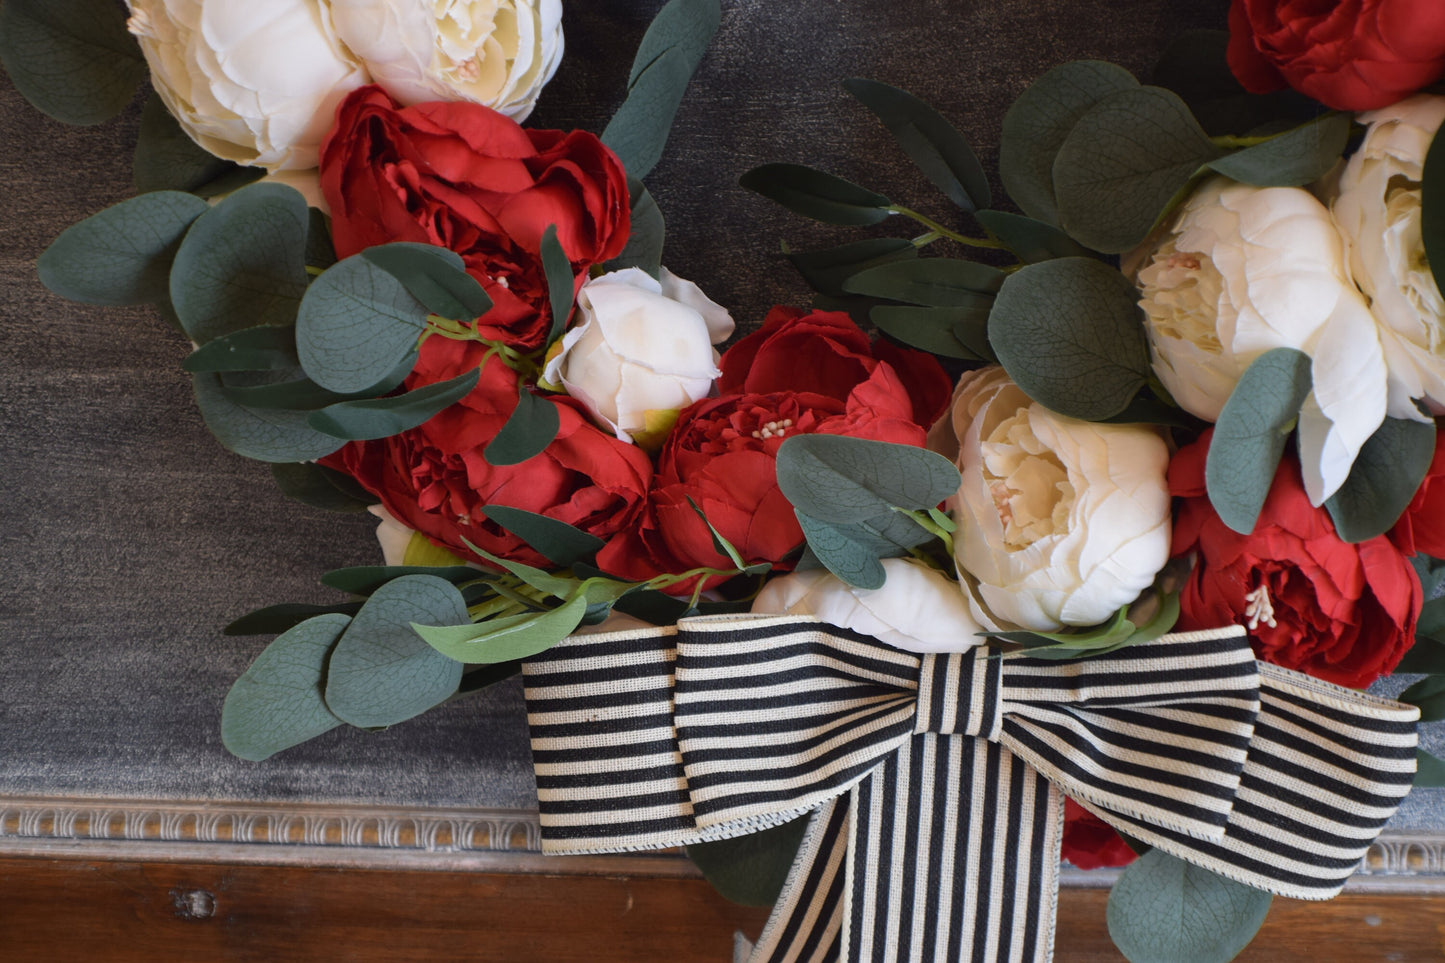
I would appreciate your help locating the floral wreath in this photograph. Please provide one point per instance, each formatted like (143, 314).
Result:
(1191, 382)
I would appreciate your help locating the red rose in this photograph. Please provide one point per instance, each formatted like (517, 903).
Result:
(1422, 527)
(434, 479)
(827, 353)
(721, 454)
(465, 177)
(1347, 54)
(1089, 842)
(1342, 612)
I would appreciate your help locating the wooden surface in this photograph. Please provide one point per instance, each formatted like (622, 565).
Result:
(62, 910)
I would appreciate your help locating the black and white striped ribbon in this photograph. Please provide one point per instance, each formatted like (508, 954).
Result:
(935, 781)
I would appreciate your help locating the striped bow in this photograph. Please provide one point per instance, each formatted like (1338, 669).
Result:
(936, 781)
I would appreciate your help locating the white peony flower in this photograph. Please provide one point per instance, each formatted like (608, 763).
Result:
(1378, 212)
(917, 609)
(640, 350)
(1060, 522)
(495, 52)
(1247, 269)
(252, 81)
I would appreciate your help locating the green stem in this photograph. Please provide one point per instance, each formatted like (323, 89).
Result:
(923, 240)
(926, 523)
(937, 228)
(1230, 141)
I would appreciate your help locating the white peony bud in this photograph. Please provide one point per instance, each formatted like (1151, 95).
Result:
(1060, 522)
(1247, 269)
(1378, 212)
(640, 350)
(917, 609)
(252, 81)
(494, 52)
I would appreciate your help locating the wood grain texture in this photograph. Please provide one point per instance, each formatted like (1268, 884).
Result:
(119, 912)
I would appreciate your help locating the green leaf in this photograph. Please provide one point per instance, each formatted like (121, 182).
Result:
(560, 290)
(123, 254)
(933, 329)
(383, 417)
(1195, 66)
(366, 579)
(1383, 479)
(1429, 770)
(381, 671)
(261, 348)
(320, 253)
(1165, 910)
(475, 680)
(1291, 159)
(265, 434)
(435, 276)
(242, 263)
(510, 637)
(559, 542)
(72, 59)
(166, 159)
(305, 394)
(826, 270)
(644, 244)
(1429, 695)
(1250, 433)
(935, 282)
(670, 52)
(319, 487)
(816, 194)
(929, 140)
(1123, 162)
(1038, 122)
(751, 869)
(558, 586)
(356, 323)
(1030, 240)
(1432, 206)
(277, 703)
(528, 431)
(1069, 333)
(1076, 643)
(1426, 657)
(278, 618)
(720, 544)
(845, 557)
(842, 480)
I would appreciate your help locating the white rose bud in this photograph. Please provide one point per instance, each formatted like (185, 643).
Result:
(494, 52)
(1378, 212)
(252, 81)
(1060, 522)
(917, 609)
(1247, 269)
(640, 350)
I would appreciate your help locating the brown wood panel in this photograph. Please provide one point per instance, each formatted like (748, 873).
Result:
(61, 910)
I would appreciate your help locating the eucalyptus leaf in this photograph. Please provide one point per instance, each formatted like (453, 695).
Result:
(435, 276)
(383, 417)
(355, 325)
(816, 194)
(123, 254)
(381, 671)
(320, 252)
(751, 869)
(277, 702)
(265, 434)
(934, 282)
(1166, 910)
(1035, 127)
(644, 243)
(826, 270)
(1124, 161)
(1291, 159)
(242, 263)
(842, 480)
(1426, 657)
(303, 394)
(509, 637)
(844, 556)
(1432, 206)
(273, 619)
(561, 543)
(250, 349)
(167, 159)
(1250, 433)
(1383, 479)
(929, 140)
(1195, 66)
(528, 431)
(1429, 695)
(560, 283)
(653, 606)
(73, 59)
(720, 544)
(1429, 770)
(933, 329)
(1029, 240)
(1069, 333)
(367, 579)
(311, 484)
(475, 680)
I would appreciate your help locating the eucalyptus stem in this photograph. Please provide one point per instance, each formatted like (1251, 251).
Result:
(926, 522)
(923, 240)
(937, 228)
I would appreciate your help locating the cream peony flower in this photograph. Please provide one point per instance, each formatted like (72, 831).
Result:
(1246, 269)
(1060, 522)
(1378, 212)
(917, 609)
(252, 81)
(640, 350)
(495, 52)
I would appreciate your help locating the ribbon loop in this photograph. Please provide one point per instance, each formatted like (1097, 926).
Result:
(958, 694)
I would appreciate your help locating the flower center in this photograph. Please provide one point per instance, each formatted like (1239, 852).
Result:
(1029, 484)
(1258, 608)
(1180, 293)
(773, 429)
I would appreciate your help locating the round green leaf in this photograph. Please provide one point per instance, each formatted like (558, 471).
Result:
(72, 59)
(1432, 205)
(1069, 333)
(276, 703)
(1165, 910)
(935, 282)
(1291, 159)
(262, 348)
(433, 275)
(844, 480)
(528, 431)
(167, 159)
(355, 324)
(848, 559)
(372, 418)
(1382, 481)
(644, 243)
(816, 194)
(265, 434)
(321, 487)
(751, 869)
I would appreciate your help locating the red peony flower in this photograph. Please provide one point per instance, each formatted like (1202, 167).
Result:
(1311, 601)
(721, 454)
(825, 352)
(1347, 54)
(434, 478)
(465, 177)
(1422, 526)
(1091, 843)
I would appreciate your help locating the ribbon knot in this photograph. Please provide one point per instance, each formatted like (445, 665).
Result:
(959, 694)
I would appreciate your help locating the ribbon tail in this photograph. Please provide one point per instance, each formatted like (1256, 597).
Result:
(804, 925)
(953, 855)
